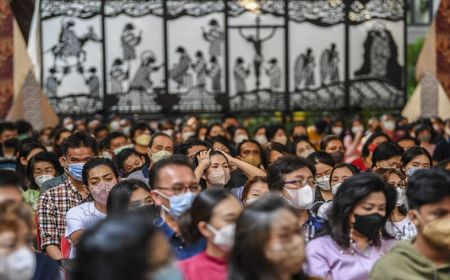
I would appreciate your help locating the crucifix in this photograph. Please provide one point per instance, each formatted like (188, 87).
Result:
(257, 41)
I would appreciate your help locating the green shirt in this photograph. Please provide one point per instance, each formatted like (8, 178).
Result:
(404, 262)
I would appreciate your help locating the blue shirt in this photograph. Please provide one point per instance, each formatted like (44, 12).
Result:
(179, 247)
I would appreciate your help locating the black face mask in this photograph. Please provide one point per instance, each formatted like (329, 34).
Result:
(369, 225)
(337, 156)
(12, 143)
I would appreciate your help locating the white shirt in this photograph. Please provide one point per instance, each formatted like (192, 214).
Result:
(403, 230)
(81, 217)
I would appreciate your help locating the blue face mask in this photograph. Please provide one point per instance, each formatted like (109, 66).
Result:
(411, 171)
(179, 203)
(75, 171)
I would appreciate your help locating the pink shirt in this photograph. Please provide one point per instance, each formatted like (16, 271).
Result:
(204, 267)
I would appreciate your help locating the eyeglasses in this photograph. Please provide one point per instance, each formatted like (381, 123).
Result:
(301, 182)
(177, 189)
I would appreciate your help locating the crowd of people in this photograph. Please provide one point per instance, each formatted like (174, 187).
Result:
(185, 199)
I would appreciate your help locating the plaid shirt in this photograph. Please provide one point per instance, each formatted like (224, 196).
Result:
(52, 209)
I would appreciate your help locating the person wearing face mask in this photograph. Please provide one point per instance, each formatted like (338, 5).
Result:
(100, 175)
(212, 216)
(399, 225)
(110, 250)
(17, 258)
(388, 125)
(213, 170)
(427, 256)
(424, 134)
(42, 167)
(140, 134)
(160, 147)
(355, 237)
(128, 195)
(114, 143)
(260, 135)
(129, 161)
(54, 203)
(292, 178)
(240, 134)
(251, 152)
(174, 187)
(414, 159)
(323, 163)
(365, 161)
(334, 146)
(387, 155)
(339, 173)
(25, 153)
(8, 130)
(277, 133)
(268, 243)
(254, 189)
(303, 147)
(442, 149)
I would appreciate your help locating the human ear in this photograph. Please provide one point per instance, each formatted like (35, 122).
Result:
(203, 229)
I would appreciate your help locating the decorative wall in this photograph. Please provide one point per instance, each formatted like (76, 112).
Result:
(179, 56)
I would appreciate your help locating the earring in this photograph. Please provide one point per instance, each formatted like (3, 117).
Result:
(351, 241)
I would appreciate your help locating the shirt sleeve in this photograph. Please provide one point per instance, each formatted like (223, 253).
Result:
(48, 231)
(317, 265)
(74, 221)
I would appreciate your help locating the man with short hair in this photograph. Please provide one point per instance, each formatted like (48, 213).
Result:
(77, 149)
(160, 147)
(114, 141)
(428, 255)
(169, 178)
(191, 147)
(10, 186)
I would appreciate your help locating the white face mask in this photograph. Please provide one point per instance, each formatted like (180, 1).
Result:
(261, 139)
(186, 135)
(337, 130)
(18, 265)
(251, 200)
(163, 154)
(224, 237)
(168, 132)
(282, 140)
(218, 177)
(401, 196)
(239, 138)
(306, 153)
(69, 126)
(335, 188)
(115, 125)
(40, 180)
(324, 183)
(118, 150)
(301, 198)
(358, 130)
(389, 125)
(107, 155)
